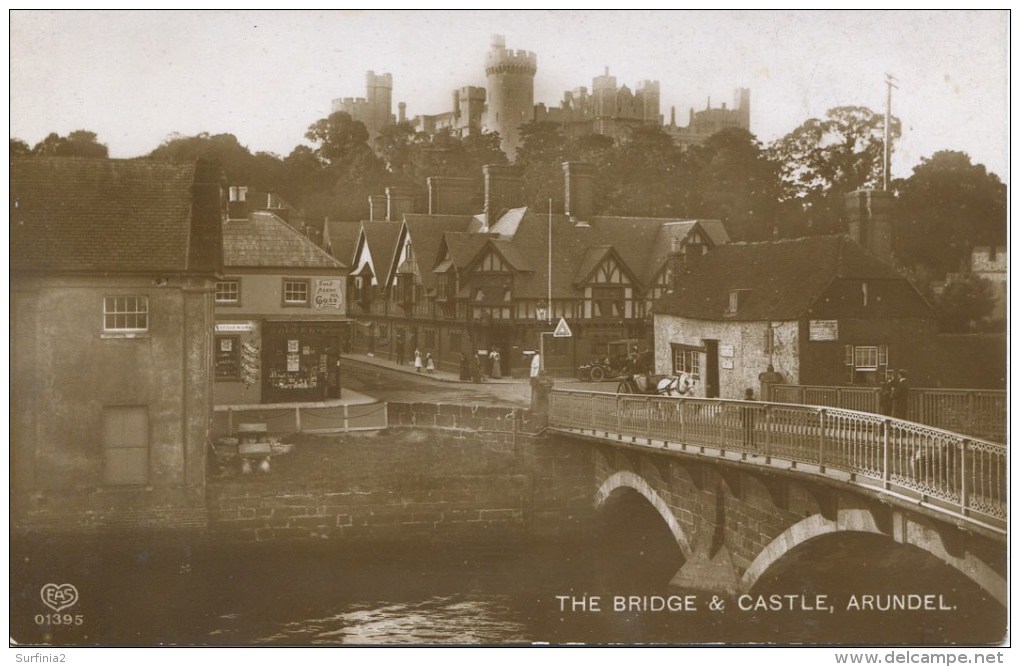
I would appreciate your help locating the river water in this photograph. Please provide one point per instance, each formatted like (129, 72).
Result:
(179, 593)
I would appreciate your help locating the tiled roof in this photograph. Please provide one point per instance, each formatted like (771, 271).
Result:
(264, 240)
(381, 238)
(341, 236)
(76, 214)
(784, 278)
(426, 232)
(464, 246)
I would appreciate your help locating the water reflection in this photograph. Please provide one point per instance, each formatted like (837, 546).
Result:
(320, 594)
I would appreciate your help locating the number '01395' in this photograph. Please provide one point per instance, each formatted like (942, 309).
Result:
(59, 619)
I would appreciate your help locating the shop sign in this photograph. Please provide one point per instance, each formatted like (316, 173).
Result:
(726, 351)
(823, 330)
(234, 327)
(328, 294)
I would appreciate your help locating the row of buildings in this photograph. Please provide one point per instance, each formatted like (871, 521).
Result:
(144, 294)
(508, 101)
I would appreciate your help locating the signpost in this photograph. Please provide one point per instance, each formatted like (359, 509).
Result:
(562, 331)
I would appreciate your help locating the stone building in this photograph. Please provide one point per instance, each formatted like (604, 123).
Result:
(821, 309)
(375, 110)
(113, 268)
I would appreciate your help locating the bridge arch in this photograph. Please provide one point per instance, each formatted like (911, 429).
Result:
(633, 481)
(862, 521)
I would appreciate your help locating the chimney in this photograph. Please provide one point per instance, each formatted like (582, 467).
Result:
(398, 202)
(579, 181)
(504, 188)
(869, 217)
(376, 207)
(237, 206)
(450, 195)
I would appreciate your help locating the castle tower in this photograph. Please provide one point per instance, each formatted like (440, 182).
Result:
(648, 94)
(379, 96)
(742, 104)
(511, 91)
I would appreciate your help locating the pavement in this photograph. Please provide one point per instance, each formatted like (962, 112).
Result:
(437, 375)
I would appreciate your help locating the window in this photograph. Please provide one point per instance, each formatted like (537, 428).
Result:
(295, 292)
(126, 313)
(862, 361)
(126, 445)
(228, 292)
(866, 356)
(687, 360)
(606, 301)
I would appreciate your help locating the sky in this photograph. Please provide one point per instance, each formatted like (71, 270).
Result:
(137, 77)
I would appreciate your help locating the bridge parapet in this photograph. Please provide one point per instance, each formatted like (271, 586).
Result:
(947, 472)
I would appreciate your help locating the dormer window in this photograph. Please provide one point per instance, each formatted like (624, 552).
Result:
(737, 298)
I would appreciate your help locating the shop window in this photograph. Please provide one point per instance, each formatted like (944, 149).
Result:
(125, 445)
(126, 313)
(295, 292)
(228, 292)
(687, 360)
(228, 358)
(865, 361)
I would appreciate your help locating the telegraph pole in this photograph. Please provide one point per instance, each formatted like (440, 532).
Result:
(889, 79)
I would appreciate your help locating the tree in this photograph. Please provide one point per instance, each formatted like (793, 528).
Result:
(733, 180)
(80, 143)
(19, 148)
(648, 169)
(965, 304)
(824, 159)
(543, 150)
(338, 136)
(947, 207)
(263, 171)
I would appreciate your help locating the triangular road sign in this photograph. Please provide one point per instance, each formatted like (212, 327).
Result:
(562, 330)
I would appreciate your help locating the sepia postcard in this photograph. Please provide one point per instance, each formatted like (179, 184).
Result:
(380, 328)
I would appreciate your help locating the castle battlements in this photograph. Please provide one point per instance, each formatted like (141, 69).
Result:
(384, 80)
(510, 60)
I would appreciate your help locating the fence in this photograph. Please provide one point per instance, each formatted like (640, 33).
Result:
(977, 412)
(962, 475)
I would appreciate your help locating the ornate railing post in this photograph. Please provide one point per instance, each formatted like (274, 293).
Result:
(821, 439)
(768, 433)
(683, 423)
(964, 491)
(885, 453)
(619, 417)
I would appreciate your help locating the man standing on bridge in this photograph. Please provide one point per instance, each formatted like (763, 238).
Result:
(901, 393)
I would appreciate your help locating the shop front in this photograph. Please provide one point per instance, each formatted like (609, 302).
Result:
(300, 361)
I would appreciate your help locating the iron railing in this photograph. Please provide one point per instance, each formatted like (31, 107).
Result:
(978, 412)
(956, 473)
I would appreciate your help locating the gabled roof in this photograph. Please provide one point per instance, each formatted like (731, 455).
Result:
(341, 237)
(509, 251)
(426, 233)
(464, 246)
(381, 238)
(784, 278)
(264, 240)
(678, 230)
(77, 214)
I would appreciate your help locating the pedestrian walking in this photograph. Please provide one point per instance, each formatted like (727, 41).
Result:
(417, 361)
(885, 397)
(400, 349)
(476, 369)
(497, 371)
(536, 364)
(901, 395)
(430, 364)
(465, 369)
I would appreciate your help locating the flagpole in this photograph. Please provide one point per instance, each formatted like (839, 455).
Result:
(548, 317)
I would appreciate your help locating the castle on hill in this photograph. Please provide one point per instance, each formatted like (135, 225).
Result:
(508, 101)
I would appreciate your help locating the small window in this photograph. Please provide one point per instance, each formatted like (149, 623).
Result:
(687, 360)
(865, 357)
(228, 292)
(126, 313)
(295, 292)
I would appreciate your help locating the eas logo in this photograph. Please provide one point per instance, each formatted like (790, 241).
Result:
(59, 596)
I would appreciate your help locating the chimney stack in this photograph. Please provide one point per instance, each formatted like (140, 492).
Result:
(504, 188)
(450, 195)
(869, 217)
(398, 202)
(237, 206)
(579, 182)
(376, 208)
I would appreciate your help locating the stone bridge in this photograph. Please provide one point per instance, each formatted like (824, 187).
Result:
(742, 485)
